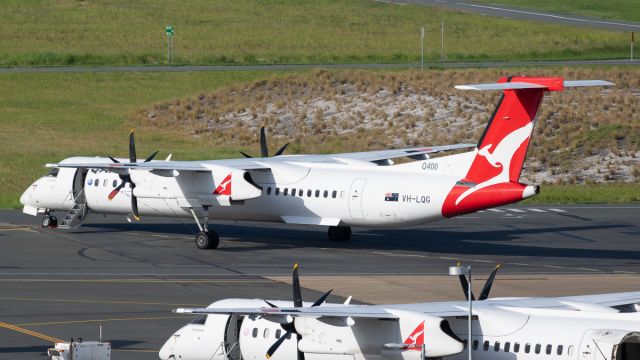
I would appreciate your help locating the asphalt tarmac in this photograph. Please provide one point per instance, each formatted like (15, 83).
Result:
(57, 284)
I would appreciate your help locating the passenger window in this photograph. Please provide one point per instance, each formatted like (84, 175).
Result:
(286, 190)
(278, 333)
(317, 193)
(549, 348)
(527, 348)
(496, 346)
(326, 193)
(570, 350)
(300, 192)
(293, 192)
(334, 194)
(475, 344)
(516, 347)
(538, 347)
(104, 183)
(255, 332)
(269, 190)
(97, 183)
(90, 182)
(485, 346)
(277, 191)
(266, 333)
(559, 351)
(507, 346)
(115, 183)
(309, 193)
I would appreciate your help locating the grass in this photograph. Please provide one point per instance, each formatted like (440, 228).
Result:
(123, 32)
(611, 9)
(47, 117)
(621, 193)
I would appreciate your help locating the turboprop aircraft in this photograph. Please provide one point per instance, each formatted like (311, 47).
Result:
(589, 327)
(336, 190)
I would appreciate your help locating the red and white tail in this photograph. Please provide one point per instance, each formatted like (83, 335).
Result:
(492, 179)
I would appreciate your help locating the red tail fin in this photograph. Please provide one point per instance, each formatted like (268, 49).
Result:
(502, 148)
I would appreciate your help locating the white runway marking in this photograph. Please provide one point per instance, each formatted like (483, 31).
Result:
(496, 210)
(558, 210)
(537, 210)
(516, 210)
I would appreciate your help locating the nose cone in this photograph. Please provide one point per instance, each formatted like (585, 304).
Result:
(166, 351)
(25, 199)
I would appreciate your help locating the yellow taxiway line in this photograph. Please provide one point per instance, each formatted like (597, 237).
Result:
(30, 332)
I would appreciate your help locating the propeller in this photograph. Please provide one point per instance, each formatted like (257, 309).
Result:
(297, 302)
(264, 150)
(125, 178)
(486, 289)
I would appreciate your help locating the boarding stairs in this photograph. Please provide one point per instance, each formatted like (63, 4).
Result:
(76, 214)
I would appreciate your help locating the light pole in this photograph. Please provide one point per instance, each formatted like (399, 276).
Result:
(463, 271)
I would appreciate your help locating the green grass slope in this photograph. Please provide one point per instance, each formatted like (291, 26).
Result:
(123, 32)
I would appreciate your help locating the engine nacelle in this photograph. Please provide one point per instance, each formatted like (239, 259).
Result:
(418, 329)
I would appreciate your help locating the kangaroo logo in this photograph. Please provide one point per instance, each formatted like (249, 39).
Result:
(417, 336)
(225, 186)
(500, 157)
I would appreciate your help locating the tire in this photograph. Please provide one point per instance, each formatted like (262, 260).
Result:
(46, 221)
(54, 221)
(339, 233)
(207, 240)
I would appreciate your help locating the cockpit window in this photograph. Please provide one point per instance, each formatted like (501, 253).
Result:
(200, 319)
(53, 172)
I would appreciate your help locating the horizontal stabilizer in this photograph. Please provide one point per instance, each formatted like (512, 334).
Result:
(531, 85)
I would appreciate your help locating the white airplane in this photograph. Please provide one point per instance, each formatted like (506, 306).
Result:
(336, 190)
(589, 327)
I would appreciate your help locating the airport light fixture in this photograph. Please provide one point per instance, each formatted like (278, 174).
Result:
(465, 271)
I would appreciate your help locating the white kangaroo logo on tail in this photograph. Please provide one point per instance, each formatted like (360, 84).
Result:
(500, 157)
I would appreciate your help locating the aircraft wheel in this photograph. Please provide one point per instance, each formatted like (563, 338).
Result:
(54, 221)
(339, 233)
(46, 221)
(207, 240)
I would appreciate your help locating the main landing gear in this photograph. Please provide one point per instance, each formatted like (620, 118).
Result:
(205, 238)
(339, 233)
(49, 221)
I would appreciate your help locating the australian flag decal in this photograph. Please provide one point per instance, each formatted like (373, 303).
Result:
(391, 197)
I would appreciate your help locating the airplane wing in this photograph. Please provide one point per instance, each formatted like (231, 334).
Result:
(355, 311)
(580, 302)
(256, 163)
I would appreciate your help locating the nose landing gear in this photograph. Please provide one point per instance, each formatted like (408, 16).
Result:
(49, 221)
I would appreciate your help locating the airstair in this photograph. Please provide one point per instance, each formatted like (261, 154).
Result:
(77, 214)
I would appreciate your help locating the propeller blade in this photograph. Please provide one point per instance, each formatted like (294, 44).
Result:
(322, 298)
(114, 160)
(465, 286)
(297, 294)
(115, 191)
(264, 151)
(246, 155)
(276, 345)
(134, 203)
(487, 286)
(281, 150)
(132, 147)
(150, 157)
